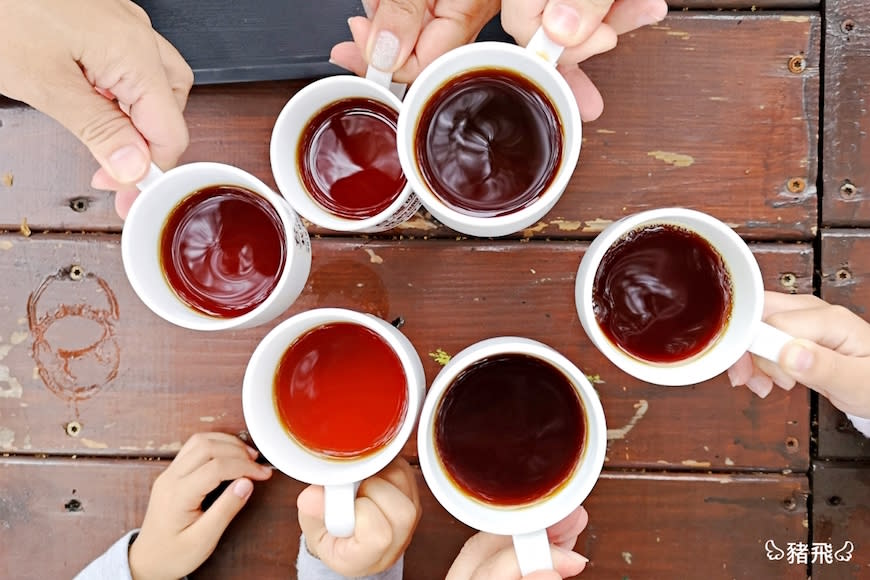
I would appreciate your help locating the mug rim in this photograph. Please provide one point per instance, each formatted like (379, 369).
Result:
(327, 471)
(199, 320)
(407, 130)
(545, 511)
(714, 359)
(287, 179)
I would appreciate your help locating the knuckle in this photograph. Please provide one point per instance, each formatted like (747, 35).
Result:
(101, 127)
(140, 13)
(405, 7)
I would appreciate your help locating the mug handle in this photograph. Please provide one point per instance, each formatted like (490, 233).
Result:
(769, 342)
(385, 79)
(154, 173)
(533, 552)
(338, 514)
(545, 47)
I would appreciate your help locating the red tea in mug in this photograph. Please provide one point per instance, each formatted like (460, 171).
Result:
(348, 158)
(662, 294)
(340, 391)
(510, 430)
(223, 250)
(489, 143)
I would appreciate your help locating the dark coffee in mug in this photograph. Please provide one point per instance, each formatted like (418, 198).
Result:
(662, 294)
(489, 142)
(341, 391)
(348, 160)
(223, 250)
(510, 430)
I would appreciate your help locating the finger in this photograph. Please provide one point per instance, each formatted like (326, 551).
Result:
(760, 384)
(195, 486)
(832, 327)
(741, 371)
(395, 27)
(571, 22)
(208, 528)
(347, 55)
(361, 554)
(504, 566)
(589, 100)
(829, 372)
(628, 15)
(780, 377)
(400, 474)
(775, 302)
(178, 72)
(521, 18)
(602, 40)
(564, 533)
(203, 447)
(124, 199)
(399, 510)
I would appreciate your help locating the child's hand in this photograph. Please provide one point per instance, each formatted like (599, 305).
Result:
(387, 510)
(831, 354)
(176, 536)
(490, 557)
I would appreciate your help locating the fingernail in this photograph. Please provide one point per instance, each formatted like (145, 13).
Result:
(563, 20)
(761, 386)
(732, 378)
(653, 17)
(797, 359)
(385, 51)
(252, 452)
(367, 7)
(128, 164)
(573, 557)
(243, 488)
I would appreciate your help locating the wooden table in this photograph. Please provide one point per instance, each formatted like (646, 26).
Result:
(714, 110)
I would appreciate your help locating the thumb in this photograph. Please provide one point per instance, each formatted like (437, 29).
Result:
(103, 128)
(822, 369)
(570, 22)
(211, 525)
(396, 25)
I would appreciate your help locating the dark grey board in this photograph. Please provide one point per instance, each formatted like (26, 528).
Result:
(255, 40)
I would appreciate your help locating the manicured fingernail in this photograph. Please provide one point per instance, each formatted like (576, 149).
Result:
(761, 386)
(128, 164)
(243, 488)
(656, 15)
(367, 7)
(573, 557)
(797, 358)
(563, 20)
(251, 451)
(385, 51)
(732, 378)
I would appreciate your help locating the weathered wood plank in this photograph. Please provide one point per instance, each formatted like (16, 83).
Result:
(156, 384)
(642, 525)
(845, 275)
(841, 513)
(846, 178)
(730, 130)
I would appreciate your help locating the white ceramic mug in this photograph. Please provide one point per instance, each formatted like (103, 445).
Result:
(537, 63)
(140, 245)
(289, 130)
(527, 523)
(743, 331)
(340, 478)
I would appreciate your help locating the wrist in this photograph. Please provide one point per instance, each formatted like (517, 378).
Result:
(141, 566)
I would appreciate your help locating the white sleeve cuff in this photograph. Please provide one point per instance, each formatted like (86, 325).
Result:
(861, 424)
(114, 564)
(310, 568)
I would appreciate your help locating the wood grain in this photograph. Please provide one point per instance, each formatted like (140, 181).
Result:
(845, 277)
(841, 513)
(729, 129)
(846, 178)
(642, 525)
(171, 382)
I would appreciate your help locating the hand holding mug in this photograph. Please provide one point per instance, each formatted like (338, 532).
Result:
(177, 535)
(830, 353)
(387, 510)
(491, 557)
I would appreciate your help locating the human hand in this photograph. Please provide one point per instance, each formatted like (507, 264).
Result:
(176, 535)
(387, 509)
(585, 28)
(831, 353)
(490, 557)
(404, 36)
(100, 70)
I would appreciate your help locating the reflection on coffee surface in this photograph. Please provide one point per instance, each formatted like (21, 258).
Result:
(223, 250)
(341, 391)
(348, 160)
(510, 429)
(489, 143)
(662, 294)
